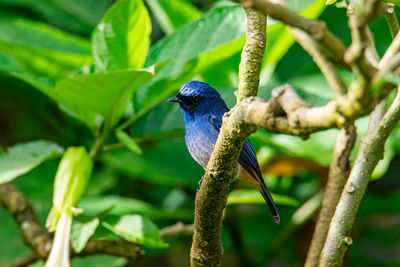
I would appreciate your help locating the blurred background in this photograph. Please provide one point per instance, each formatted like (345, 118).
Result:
(202, 40)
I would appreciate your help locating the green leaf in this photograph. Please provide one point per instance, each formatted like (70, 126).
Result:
(171, 15)
(93, 98)
(125, 139)
(23, 157)
(81, 232)
(253, 196)
(41, 49)
(122, 38)
(119, 206)
(72, 15)
(137, 229)
(166, 163)
(42, 83)
(8, 63)
(71, 180)
(101, 96)
(190, 50)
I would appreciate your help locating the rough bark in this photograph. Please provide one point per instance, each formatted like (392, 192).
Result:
(221, 169)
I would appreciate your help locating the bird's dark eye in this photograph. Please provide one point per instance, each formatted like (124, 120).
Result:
(196, 99)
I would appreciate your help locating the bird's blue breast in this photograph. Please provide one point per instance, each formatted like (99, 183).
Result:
(200, 138)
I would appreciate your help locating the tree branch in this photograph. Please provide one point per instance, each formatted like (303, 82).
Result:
(324, 63)
(317, 29)
(287, 113)
(252, 53)
(222, 168)
(40, 241)
(338, 172)
(370, 152)
(25, 259)
(33, 234)
(117, 248)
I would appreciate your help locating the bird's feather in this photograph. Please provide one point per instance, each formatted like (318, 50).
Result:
(248, 161)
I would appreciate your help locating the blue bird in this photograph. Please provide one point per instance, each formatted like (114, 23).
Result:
(202, 109)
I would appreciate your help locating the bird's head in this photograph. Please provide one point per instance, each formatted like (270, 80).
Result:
(198, 98)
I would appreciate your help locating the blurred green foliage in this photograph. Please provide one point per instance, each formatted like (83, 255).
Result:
(99, 72)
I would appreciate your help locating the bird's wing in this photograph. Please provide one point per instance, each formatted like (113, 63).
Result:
(248, 161)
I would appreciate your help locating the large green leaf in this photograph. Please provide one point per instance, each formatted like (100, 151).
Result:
(23, 157)
(72, 15)
(104, 94)
(93, 98)
(190, 50)
(119, 206)
(171, 15)
(137, 229)
(41, 49)
(122, 38)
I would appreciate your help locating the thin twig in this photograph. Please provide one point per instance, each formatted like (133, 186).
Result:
(391, 18)
(117, 248)
(97, 147)
(391, 51)
(338, 172)
(25, 259)
(370, 152)
(324, 63)
(176, 229)
(317, 29)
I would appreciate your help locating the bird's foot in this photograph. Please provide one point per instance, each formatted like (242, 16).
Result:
(201, 180)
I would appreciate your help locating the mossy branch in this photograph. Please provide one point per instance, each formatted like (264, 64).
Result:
(222, 168)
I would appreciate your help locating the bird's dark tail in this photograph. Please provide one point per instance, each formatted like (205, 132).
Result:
(268, 199)
(258, 182)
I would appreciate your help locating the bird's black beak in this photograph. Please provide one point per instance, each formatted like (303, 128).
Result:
(174, 99)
